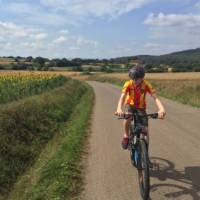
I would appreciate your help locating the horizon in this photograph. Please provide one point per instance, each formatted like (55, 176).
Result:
(103, 29)
(99, 58)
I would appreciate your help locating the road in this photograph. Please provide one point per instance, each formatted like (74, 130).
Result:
(174, 145)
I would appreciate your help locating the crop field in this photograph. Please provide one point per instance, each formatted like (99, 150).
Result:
(17, 86)
(159, 76)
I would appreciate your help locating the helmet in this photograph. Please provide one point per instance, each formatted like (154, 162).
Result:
(137, 72)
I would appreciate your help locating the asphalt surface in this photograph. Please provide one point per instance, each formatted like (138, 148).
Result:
(174, 147)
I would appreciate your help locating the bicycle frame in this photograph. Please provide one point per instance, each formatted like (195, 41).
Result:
(137, 128)
(139, 151)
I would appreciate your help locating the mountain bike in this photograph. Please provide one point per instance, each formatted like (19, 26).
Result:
(139, 149)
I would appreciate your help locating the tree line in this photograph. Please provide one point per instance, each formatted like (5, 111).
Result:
(188, 60)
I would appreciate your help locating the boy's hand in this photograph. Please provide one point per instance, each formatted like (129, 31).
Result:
(119, 112)
(161, 114)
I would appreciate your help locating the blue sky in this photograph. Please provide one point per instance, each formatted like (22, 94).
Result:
(98, 28)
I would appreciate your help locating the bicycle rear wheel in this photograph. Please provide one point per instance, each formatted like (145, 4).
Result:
(143, 171)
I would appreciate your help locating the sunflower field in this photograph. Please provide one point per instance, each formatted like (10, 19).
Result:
(15, 86)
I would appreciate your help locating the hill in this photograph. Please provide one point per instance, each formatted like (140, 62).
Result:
(187, 60)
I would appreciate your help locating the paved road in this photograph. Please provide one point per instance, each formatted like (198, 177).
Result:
(174, 145)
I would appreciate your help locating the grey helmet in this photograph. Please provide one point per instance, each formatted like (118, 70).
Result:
(137, 72)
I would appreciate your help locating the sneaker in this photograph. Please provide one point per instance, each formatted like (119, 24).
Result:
(125, 142)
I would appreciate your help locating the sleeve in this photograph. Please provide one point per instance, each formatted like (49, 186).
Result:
(125, 88)
(150, 89)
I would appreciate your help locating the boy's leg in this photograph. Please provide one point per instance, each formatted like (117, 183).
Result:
(125, 140)
(126, 124)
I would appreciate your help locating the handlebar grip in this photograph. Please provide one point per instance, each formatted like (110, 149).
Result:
(125, 116)
(154, 115)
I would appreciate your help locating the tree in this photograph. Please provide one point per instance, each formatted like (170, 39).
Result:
(39, 63)
(1, 67)
(29, 59)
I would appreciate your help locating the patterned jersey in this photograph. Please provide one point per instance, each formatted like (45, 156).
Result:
(136, 95)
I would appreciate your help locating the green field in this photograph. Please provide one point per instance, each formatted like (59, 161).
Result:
(15, 87)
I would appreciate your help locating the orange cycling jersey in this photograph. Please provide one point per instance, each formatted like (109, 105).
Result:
(136, 95)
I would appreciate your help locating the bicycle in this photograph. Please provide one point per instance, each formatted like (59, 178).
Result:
(139, 150)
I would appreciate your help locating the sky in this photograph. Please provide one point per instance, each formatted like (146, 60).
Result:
(97, 28)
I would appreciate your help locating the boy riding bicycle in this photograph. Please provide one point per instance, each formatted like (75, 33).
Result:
(133, 97)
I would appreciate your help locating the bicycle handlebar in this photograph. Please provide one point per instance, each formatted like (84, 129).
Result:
(126, 116)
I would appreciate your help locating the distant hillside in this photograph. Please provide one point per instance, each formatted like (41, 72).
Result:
(188, 60)
(187, 57)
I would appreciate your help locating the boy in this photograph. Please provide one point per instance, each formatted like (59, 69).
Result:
(134, 97)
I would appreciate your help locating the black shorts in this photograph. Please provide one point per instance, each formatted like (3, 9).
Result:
(142, 111)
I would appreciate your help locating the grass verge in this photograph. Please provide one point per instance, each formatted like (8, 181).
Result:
(60, 177)
(27, 125)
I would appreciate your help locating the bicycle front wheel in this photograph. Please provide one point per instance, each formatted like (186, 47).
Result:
(143, 171)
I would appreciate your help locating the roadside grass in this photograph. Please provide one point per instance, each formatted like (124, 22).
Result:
(186, 91)
(59, 177)
(27, 125)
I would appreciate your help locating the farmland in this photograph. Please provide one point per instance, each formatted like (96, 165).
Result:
(18, 86)
(159, 76)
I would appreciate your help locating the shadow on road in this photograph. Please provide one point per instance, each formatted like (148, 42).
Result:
(189, 177)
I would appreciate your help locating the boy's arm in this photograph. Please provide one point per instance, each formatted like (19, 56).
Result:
(120, 104)
(122, 98)
(161, 109)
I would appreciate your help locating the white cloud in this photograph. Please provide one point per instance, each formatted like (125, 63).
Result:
(80, 41)
(10, 30)
(23, 40)
(182, 27)
(174, 31)
(70, 12)
(60, 40)
(189, 20)
(40, 36)
(95, 8)
(20, 33)
(34, 13)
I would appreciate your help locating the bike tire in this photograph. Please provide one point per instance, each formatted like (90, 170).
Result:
(144, 170)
